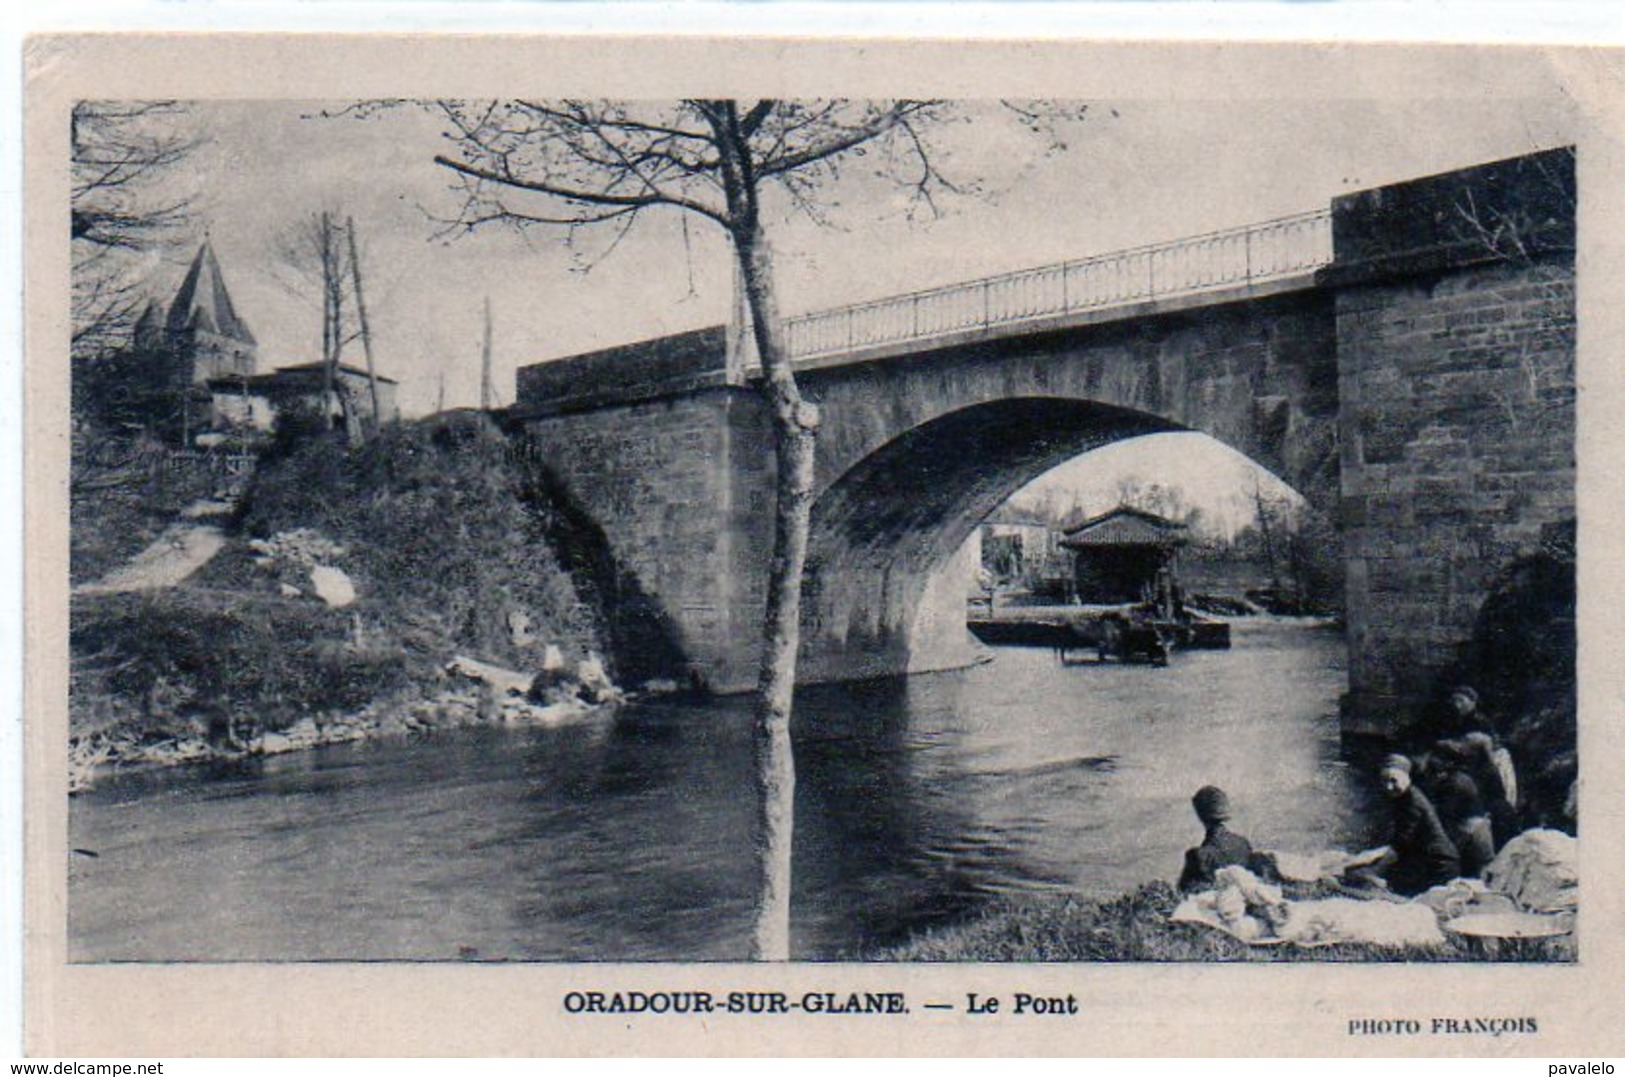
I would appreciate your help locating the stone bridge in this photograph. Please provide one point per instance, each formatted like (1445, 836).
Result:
(1405, 360)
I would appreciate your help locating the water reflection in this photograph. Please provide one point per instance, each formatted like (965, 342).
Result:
(629, 838)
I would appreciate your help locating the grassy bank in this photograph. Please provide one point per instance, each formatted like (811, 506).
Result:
(1135, 927)
(445, 544)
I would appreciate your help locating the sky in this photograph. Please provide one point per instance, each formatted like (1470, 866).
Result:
(1133, 172)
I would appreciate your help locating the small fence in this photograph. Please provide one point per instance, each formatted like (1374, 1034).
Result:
(227, 473)
(1255, 254)
(160, 472)
(234, 466)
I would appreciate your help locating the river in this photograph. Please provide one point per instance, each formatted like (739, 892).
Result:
(625, 838)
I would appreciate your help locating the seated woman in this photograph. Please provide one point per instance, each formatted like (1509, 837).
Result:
(1459, 803)
(1419, 853)
(1220, 848)
(1492, 768)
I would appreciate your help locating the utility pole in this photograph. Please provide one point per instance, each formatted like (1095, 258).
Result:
(488, 391)
(366, 334)
(331, 309)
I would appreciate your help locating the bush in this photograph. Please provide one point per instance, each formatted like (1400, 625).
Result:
(449, 550)
(186, 661)
(1522, 658)
(441, 537)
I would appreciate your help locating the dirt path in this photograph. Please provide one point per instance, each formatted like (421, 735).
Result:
(181, 550)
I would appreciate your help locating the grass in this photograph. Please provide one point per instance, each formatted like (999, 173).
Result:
(189, 662)
(442, 539)
(439, 533)
(1135, 927)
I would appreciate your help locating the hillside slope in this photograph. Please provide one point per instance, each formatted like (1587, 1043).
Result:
(440, 546)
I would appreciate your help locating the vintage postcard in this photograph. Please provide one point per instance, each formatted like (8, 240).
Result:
(613, 546)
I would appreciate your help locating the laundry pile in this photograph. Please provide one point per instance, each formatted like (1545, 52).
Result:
(1533, 876)
(1244, 907)
(1539, 870)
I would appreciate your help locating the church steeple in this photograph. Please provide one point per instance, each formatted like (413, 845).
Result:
(203, 330)
(204, 303)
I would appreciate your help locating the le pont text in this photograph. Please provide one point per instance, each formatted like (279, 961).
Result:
(1022, 1004)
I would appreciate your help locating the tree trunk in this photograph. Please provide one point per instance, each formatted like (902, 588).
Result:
(794, 423)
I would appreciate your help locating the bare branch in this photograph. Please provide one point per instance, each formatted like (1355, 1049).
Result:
(605, 163)
(832, 140)
(578, 195)
(124, 158)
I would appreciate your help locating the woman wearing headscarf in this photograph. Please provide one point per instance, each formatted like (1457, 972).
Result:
(1419, 853)
(1220, 848)
(1463, 714)
(1490, 765)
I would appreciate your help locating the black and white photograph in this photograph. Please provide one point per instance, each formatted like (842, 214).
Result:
(1083, 529)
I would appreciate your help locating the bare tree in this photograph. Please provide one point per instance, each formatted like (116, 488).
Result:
(322, 254)
(605, 164)
(1169, 501)
(124, 202)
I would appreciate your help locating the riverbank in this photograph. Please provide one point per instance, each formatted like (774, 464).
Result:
(1135, 927)
(101, 753)
(618, 837)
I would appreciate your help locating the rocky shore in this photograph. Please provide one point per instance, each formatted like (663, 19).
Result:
(475, 694)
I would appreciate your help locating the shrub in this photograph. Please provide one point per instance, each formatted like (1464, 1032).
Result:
(448, 545)
(185, 661)
(438, 531)
(1522, 658)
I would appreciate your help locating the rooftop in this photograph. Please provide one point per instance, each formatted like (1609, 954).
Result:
(1126, 526)
(204, 302)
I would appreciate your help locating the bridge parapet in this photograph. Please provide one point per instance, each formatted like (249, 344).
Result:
(1250, 255)
(1229, 261)
(680, 363)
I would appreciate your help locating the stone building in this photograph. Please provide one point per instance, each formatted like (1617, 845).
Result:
(198, 339)
(204, 348)
(256, 402)
(1018, 546)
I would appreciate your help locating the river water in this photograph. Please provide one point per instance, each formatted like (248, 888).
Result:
(625, 838)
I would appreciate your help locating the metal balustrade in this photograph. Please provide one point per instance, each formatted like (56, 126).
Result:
(1256, 254)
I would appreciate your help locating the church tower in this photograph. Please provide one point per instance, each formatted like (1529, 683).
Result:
(202, 338)
(203, 330)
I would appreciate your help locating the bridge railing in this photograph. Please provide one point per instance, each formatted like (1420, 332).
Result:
(1254, 254)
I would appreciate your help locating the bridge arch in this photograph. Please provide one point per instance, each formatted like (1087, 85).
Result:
(885, 531)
